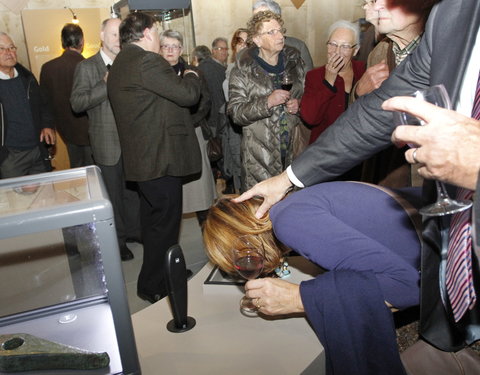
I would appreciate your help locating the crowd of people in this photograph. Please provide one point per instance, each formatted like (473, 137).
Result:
(307, 151)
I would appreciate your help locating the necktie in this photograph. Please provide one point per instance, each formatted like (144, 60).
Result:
(459, 277)
(108, 66)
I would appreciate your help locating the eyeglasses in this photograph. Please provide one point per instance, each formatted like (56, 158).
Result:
(167, 47)
(275, 32)
(343, 47)
(8, 49)
(220, 48)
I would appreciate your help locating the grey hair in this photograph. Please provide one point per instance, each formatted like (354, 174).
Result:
(216, 40)
(343, 24)
(201, 53)
(2, 33)
(270, 4)
(171, 34)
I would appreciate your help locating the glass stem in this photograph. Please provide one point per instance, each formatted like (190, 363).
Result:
(442, 191)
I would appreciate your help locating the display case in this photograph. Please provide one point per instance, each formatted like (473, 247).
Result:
(60, 270)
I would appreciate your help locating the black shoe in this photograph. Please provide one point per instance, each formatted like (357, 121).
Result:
(189, 274)
(125, 253)
(152, 298)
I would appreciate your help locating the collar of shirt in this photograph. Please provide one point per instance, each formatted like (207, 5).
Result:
(107, 60)
(401, 54)
(6, 76)
(469, 83)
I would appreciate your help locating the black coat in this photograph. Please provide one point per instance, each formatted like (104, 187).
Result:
(56, 81)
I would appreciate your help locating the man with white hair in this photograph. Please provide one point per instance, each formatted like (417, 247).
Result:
(262, 5)
(25, 119)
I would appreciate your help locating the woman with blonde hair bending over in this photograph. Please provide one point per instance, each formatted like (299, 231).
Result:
(372, 266)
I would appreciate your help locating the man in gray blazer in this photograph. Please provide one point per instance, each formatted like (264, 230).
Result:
(89, 93)
(159, 146)
(448, 54)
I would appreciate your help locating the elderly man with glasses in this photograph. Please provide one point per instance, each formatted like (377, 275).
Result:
(26, 123)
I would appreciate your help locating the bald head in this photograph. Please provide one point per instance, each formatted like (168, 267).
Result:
(110, 37)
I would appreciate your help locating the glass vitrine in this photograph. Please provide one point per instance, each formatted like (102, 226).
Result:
(60, 270)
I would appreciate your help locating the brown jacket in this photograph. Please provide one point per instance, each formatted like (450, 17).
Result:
(150, 103)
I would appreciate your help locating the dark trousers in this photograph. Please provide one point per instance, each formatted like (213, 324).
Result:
(125, 202)
(24, 162)
(160, 217)
(80, 156)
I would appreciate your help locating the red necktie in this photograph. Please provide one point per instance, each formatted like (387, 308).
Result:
(459, 276)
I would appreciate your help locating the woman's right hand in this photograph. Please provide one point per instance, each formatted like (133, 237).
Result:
(335, 63)
(274, 296)
(278, 97)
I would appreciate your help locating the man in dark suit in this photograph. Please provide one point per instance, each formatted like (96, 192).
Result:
(159, 146)
(89, 94)
(452, 30)
(56, 80)
(214, 72)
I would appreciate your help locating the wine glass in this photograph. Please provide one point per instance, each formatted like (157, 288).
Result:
(248, 256)
(444, 205)
(287, 82)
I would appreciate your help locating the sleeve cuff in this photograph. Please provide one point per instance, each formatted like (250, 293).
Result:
(293, 178)
(329, 86)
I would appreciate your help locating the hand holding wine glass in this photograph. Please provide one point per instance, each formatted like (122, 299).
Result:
(447, 145)
(444, 205)
(248, 257)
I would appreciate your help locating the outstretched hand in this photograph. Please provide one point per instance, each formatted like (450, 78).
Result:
(448, 144)
(271, 190)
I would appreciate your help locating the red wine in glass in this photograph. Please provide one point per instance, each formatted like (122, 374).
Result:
(287, 82)
(248, 258)
(249, 266)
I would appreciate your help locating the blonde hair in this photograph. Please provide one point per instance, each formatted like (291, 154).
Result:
(226, 221)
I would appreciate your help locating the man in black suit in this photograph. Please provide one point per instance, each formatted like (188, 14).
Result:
(159, 146)
(452, 30)
(56, 80)
(89, 94)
